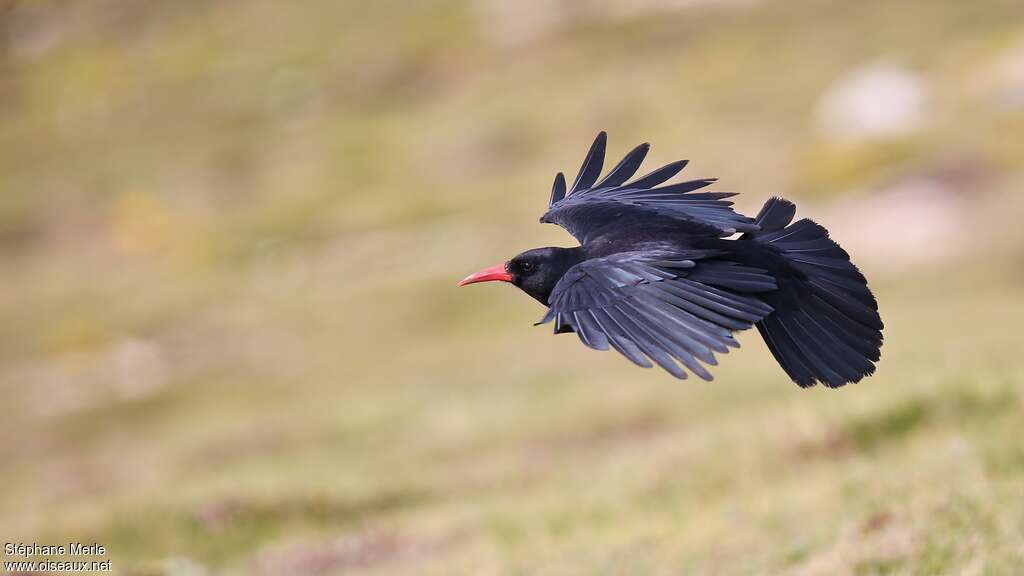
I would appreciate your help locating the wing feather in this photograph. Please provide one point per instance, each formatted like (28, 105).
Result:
(557, 189)
(591, 205)
(659, 176)
(619, 340)
(592, 164)
(681, 346)
(649, 309)
(625, 168)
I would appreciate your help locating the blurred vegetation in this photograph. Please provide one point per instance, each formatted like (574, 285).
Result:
(231, 342)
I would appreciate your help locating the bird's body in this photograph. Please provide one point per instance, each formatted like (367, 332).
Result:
(659, 276)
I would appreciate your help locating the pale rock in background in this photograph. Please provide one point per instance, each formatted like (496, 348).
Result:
(879, 101)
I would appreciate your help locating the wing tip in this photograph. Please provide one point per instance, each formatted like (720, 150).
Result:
(590, 170)
(558, 189)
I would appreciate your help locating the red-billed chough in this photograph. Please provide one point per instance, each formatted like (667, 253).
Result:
(660, 276)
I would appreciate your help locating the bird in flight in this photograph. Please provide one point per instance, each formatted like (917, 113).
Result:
(666, 273)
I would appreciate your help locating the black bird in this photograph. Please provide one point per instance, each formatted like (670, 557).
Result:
(658, 276)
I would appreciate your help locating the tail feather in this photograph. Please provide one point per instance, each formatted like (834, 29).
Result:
(825, 325)
(775, 215)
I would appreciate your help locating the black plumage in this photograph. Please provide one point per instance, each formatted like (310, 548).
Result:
(660, 276)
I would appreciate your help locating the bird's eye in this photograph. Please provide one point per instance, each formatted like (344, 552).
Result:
(526, 266)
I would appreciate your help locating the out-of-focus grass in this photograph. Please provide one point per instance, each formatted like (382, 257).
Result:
(231, 339)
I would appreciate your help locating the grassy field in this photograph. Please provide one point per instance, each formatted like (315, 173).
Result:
(231, 342)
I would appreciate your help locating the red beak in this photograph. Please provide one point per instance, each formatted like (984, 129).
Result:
(488, 275)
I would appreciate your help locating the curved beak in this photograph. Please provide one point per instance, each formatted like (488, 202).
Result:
(488, 275)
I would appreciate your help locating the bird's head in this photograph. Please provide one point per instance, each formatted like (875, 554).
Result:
(535, 271)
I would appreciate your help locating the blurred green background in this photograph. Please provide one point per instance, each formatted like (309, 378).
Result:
(231, 342)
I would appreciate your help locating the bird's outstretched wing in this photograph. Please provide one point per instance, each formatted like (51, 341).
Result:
(680, 307)
(589, 206)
